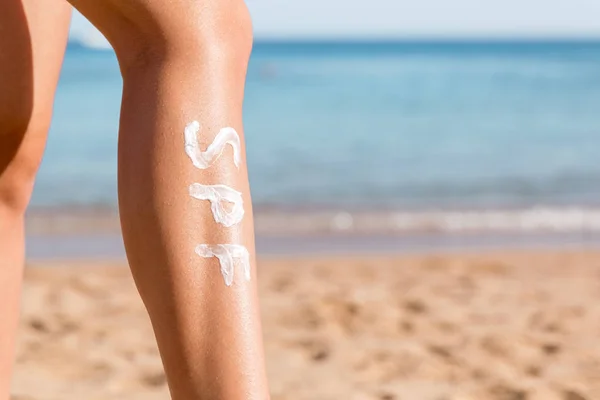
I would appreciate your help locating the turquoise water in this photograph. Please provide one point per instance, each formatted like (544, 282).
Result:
(372, 125)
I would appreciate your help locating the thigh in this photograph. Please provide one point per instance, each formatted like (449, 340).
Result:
(33, 36)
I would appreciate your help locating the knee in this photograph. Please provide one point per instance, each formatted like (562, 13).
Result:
(21, 147)
(218, 32)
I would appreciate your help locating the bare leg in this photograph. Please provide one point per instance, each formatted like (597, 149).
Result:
(185, 61)
(33, 36)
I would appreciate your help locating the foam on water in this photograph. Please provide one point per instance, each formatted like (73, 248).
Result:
(535, 220)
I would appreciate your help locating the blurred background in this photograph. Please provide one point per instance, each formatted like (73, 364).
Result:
(376, 129)
(380, 118)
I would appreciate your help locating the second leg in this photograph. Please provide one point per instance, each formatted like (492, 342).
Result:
(33, 36)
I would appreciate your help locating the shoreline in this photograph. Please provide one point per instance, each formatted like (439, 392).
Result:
(355, 221)
(95, 233)
(110, 246)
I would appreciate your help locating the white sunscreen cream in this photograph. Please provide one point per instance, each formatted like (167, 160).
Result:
(226, 254)
(217, 195)
(203, 159)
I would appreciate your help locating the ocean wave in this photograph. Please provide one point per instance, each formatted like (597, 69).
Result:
(523, 221)
(533, 220)
(91, 41)
(83, 33)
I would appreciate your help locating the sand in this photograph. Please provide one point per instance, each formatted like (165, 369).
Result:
(500, 326)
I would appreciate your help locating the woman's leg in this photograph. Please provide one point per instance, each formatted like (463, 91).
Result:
(33, 35)
(185, 61)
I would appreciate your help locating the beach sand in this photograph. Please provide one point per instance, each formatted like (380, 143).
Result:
(500, 326)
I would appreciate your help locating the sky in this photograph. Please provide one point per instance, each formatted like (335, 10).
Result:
(353, 19)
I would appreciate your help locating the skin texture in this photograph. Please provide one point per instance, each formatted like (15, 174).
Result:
(33, 37)
(183, 61)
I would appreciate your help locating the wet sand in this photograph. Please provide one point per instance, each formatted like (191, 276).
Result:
(491, 325)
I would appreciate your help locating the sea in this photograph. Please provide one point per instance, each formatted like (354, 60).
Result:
(375, 137)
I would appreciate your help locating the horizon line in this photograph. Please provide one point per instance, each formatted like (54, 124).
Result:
(406, 40)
